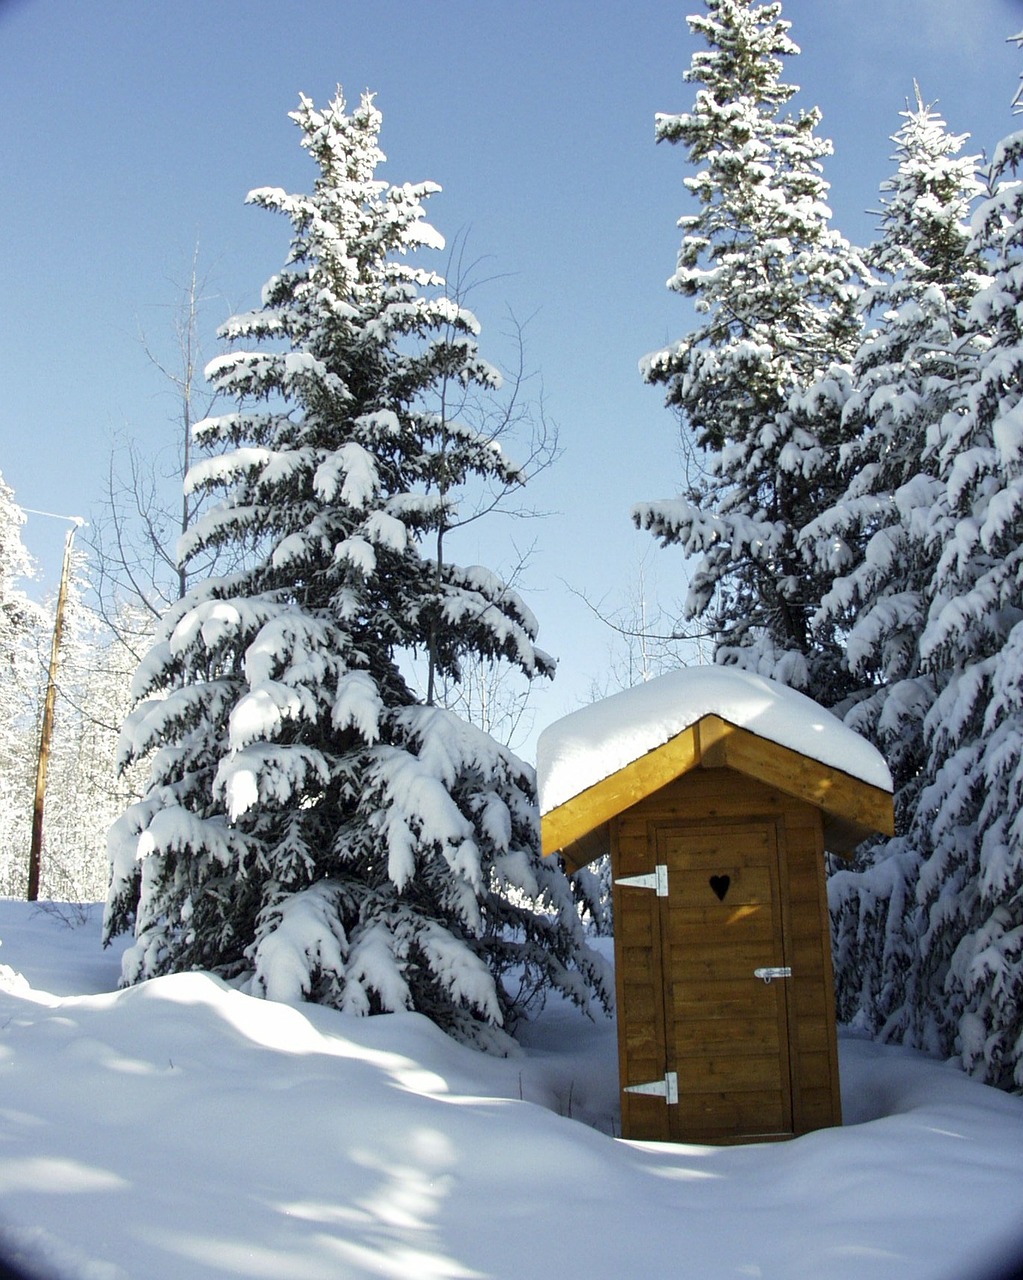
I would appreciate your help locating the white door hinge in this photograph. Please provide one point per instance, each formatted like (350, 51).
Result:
(666, 1088)
(656, 880)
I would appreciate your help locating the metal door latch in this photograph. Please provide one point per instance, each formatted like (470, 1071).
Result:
(768, 975)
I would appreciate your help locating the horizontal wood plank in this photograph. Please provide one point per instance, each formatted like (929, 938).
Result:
(697, 925)
(728, 962)
(694, 1036)
(720, 1000)
(818, 1109)
(811, 1037)
(712, 1115)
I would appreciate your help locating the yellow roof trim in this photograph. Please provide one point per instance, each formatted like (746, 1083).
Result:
(603, 801)
(858, 808)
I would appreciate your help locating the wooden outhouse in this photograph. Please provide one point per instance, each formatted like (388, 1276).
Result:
(716, 794)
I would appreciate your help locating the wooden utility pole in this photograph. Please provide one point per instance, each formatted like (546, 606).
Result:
(46, 731)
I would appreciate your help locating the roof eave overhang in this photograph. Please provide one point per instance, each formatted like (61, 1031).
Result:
(853, 810)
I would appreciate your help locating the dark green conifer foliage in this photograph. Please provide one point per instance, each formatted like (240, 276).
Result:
(775, 291)
(311, 829)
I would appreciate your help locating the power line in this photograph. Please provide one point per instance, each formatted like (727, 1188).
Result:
(75, 520)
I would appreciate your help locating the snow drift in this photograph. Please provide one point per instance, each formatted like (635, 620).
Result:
(181, 1130)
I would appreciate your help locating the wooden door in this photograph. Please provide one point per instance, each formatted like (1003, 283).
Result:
(727, 1030)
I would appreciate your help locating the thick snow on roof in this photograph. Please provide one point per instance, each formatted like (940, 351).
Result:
(593, 743)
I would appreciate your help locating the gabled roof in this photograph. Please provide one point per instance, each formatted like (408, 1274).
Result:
(603, 759)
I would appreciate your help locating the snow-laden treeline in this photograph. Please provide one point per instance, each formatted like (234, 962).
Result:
(857, 508)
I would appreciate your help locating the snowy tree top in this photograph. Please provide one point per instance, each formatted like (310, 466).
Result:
(594, 742)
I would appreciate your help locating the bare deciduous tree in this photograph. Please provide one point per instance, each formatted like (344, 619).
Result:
(146, 507)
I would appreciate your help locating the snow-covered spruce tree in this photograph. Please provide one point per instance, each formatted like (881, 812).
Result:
(775, 290)
(882, 539)
(21, 625)
(968, 996)
(311, 830)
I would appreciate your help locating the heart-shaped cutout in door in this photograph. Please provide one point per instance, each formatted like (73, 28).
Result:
(720, 885)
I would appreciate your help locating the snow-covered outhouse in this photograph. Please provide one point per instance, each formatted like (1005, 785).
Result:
(716, 793)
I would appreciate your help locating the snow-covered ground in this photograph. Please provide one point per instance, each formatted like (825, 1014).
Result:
(180, 1129)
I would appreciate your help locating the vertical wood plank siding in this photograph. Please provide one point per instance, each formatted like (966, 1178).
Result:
(725, 811)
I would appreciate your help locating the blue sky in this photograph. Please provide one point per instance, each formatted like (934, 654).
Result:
(132, 130)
